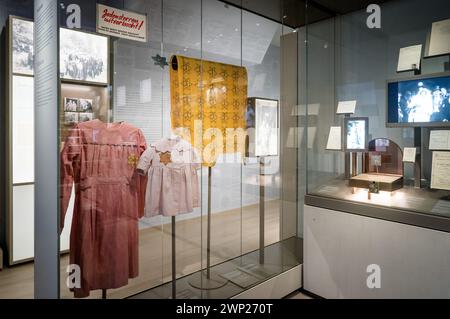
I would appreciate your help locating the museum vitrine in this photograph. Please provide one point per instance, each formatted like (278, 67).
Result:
(158, 196)
(384, 95)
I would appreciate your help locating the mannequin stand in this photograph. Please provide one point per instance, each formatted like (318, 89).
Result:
(174, 261)
(206, 279)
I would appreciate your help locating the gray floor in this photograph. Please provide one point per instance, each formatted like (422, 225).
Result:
(279, 257)
(298, 295)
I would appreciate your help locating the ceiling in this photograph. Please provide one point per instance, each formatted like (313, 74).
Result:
(294, 13)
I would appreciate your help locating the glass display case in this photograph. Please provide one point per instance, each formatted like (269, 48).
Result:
(383, 93)
(157, 194)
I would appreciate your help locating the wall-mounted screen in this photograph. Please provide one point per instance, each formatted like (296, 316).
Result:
(356, 134)
(419, 102)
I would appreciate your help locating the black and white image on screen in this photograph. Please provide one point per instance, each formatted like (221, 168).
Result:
(356, 134)
(424, 101)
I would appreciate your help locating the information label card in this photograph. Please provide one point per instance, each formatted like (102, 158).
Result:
(440, 172)
(409, 154)
(335, 139)
(346, 107)
(121, 23)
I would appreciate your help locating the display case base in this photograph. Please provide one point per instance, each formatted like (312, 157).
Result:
(388, 183)
(201, 281)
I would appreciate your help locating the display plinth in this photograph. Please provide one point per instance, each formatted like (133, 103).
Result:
(205, 280)
(387, 183)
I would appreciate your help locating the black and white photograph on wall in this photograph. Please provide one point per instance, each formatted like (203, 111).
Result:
(266, 127)
(356, 134)
(83, 56)
(70, 104)
(70, 118)
(84, 117)
(22, 46)
(85, 106)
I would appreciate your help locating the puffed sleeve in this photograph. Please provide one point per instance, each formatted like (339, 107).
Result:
(145, 161)
(69, 167)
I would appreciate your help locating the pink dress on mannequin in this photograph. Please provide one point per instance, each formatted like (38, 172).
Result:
(101, 160)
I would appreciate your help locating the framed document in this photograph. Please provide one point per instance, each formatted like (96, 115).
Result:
(409, 58)
(356, 134)
(440, 171)
(440, 38)
(440, 140)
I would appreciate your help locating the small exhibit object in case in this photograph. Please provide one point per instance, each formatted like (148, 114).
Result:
(409, 58)
(356, 134)
(374, 188)
(385, 182)
(382, 167)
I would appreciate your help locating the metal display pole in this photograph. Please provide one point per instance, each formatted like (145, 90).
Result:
(208, 236)
(206, 279)
(174, 261)
(354, 164)
(347, 160)
(418, 163)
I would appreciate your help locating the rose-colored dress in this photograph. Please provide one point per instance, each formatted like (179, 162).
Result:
(173, 186)
(101, 160)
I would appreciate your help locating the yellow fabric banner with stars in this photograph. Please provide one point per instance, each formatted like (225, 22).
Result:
(208, 99)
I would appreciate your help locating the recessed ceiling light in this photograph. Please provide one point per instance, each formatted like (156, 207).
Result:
(257, 24)
(236, 29)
